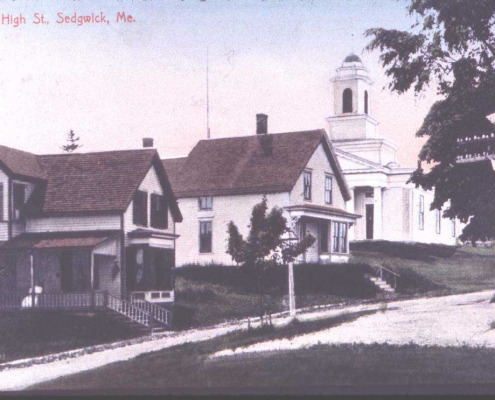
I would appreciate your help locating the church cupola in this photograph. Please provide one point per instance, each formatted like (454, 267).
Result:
(351, 117)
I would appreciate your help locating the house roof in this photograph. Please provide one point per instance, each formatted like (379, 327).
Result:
(249, 164)
(20, 163)
(57, 240)
(97, 182)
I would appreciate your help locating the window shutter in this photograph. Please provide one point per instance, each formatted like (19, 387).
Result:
(140, 209)
(164, 211)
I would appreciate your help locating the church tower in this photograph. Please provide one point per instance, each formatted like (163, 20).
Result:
(351, 127)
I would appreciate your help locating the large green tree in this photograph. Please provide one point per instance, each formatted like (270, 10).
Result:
(451, 46)
(266, 244)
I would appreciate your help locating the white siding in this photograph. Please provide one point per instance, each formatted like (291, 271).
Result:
(4, 226)
(66, 224)
(320, 167)
(150, 184)
(225, 209)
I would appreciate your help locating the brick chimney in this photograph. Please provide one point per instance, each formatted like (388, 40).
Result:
(261, 124)
(147, 143)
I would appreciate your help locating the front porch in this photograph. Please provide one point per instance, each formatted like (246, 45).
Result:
(83, 271)
(330, 226)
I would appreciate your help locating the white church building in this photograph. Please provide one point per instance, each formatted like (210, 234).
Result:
(391, 209)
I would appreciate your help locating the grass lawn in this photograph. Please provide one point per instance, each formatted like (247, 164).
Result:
(29, 334)
(322, 366)
(215, 294)
(433, 269)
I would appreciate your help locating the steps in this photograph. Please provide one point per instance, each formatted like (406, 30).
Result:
(381, 284)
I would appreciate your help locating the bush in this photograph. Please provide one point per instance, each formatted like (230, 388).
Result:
(410, 251)
(346, 280)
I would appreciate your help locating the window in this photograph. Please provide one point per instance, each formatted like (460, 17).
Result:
(1, 202)
(159, 211)
(307, 185)
(140, 209)
(366, 102)
(438, 221)
(139, 268)
(323, 237)
(19, 200)
(421, 212)
(347, 101)
(205, 202)
(452, 228)
(369, 194)
(205, 237)
(339, 237)
(328, 189)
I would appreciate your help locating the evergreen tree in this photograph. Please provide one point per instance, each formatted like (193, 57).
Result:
(72, 142)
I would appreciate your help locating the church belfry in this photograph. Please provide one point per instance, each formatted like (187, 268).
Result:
(351, 117)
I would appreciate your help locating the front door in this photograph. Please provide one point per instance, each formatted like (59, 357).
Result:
(369, 221)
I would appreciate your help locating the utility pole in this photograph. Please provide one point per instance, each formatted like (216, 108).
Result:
(207, 95)
(292, 297)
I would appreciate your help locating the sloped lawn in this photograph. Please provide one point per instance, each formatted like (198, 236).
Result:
(316, 369)
(28, 334)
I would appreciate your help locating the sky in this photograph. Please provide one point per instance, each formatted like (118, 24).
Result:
(115, 83)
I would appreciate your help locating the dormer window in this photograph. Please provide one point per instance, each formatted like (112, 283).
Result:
(205, 202)
(347, 101)
(140, 208)
(19, 200)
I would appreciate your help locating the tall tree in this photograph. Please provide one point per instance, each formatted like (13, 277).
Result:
(72, 142)
(266, 244)
(451, 46)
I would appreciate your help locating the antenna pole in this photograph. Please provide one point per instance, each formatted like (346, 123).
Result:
(207, 95)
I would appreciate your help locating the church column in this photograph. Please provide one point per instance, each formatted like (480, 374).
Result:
(377, 213)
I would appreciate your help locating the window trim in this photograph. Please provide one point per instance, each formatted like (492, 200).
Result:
(201, 222)
(329, 177)
(309, 174)
(205, 209)
(340, 235)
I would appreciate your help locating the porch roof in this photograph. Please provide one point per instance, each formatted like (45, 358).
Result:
(327, 210)
(28, 241)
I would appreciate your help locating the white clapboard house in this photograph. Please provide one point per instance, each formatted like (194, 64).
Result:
(222, 179)
(392, 208)
(89, 230)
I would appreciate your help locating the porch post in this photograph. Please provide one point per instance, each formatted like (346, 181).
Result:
(92, 263)
(350, 207)
(33, 294)
(377, 213)
(292, 297)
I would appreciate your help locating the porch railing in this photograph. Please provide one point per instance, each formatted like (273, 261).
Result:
(129, 310)
(10, 301)
(158, 313)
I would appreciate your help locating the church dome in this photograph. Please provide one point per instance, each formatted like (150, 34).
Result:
(352, 58)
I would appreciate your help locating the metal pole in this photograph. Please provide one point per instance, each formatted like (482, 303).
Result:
(31, 258)
(292, 297)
